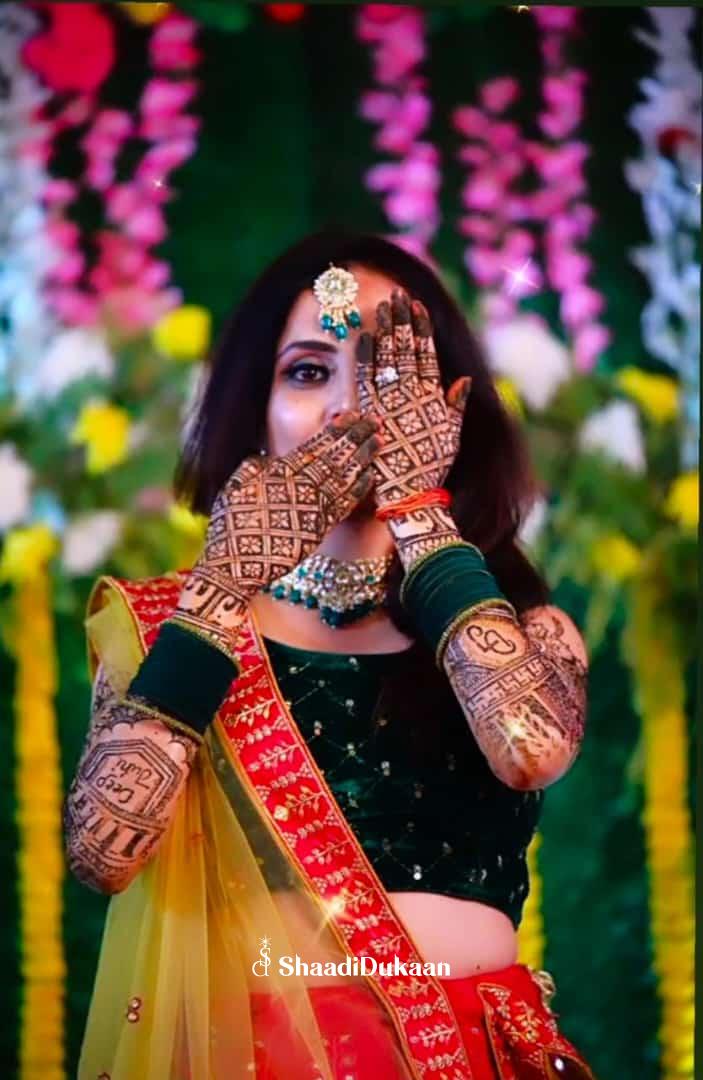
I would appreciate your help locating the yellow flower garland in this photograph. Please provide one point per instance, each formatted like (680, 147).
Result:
(531, 932)
(651, 646)
(40, 861)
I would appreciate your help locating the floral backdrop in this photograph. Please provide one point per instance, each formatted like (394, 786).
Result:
(546, 160)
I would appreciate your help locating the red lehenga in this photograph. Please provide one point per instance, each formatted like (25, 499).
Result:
(260, 862)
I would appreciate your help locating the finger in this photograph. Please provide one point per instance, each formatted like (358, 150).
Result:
(458, 393)
(363, 484)
(343, 420)
(329, 450)
(368, 449)
(403, 340)
(368, 398)
(384, 357)
(360, 431)
(248, 469)
(320, 443)
(428, 366)
(333, 454)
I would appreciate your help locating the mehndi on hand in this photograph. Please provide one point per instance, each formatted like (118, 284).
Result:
(421, 427)
(269, 515)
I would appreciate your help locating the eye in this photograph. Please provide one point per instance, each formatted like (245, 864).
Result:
(306, 372)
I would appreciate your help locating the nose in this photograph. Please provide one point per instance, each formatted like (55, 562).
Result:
(344, 400)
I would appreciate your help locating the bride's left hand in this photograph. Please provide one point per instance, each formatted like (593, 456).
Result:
(421, 426)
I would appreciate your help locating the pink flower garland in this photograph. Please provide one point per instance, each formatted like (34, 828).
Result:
(402, 109)
(501, 249)
(497, 156)
(127, 286)
(567, 219)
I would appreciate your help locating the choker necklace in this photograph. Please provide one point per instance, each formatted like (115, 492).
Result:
(342, 591)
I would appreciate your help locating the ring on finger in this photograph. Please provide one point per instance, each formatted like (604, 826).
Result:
(386, 375)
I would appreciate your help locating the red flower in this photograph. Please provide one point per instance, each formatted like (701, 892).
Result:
(385, 13)
(285, 13)
(77, 49)
(669, 139)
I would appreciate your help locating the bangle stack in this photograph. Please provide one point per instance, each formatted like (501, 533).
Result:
(443, 588)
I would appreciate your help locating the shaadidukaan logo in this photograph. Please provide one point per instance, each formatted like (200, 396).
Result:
(350, 966)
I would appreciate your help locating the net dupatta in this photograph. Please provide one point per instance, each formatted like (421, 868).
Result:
(257, 864)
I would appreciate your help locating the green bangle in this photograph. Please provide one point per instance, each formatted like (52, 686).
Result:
(441, 592)
(177, 620)
(422, 559)
(184, 675)
(170, 721)
(465, 616)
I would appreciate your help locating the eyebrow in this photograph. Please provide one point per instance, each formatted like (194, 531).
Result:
(310, 343)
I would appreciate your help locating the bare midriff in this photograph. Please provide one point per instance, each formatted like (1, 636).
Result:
(469, 936)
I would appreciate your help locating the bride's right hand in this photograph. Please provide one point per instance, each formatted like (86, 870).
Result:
(272, 512)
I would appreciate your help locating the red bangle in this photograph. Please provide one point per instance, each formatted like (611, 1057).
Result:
(433, 497)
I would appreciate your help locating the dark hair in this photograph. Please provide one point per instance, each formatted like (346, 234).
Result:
(491, 480)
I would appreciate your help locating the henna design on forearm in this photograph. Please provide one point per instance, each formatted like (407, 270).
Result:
(421, 531)
(522, 687)
(124, 792)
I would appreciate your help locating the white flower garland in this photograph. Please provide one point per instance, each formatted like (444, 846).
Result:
(27, 251)
(668, 177)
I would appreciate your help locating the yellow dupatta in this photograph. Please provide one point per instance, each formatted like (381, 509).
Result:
(178, 960)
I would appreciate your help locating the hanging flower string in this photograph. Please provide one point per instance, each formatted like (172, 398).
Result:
(28, 253)
(559, 205)
(520, 191)
(499, 253)
(126, 287)
(402, 109)
(667, 175)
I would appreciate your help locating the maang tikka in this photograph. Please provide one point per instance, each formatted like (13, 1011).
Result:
(336, 291)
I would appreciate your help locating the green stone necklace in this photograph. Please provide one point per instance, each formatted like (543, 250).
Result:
(341, 591)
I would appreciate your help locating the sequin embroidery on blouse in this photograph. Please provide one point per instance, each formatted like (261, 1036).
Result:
(447, 826)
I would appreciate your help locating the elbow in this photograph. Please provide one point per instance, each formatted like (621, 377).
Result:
(542, 772)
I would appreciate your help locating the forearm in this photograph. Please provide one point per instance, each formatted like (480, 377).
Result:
(522, 689)
(422, 531)
(125, 790)
(526, 708)
(139, 753)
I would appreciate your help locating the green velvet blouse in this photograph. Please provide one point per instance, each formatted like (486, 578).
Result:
(428, 812)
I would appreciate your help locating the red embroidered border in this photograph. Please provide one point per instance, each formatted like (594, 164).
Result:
(284, 779)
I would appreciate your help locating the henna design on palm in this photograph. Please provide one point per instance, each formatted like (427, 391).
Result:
(269, 516)
(421, 427)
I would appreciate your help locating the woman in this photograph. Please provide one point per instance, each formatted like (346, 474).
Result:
(317, 757)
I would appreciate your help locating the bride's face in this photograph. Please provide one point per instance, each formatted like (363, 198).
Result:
(315, 374)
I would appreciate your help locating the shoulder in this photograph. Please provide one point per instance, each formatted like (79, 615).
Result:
(552, 629)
